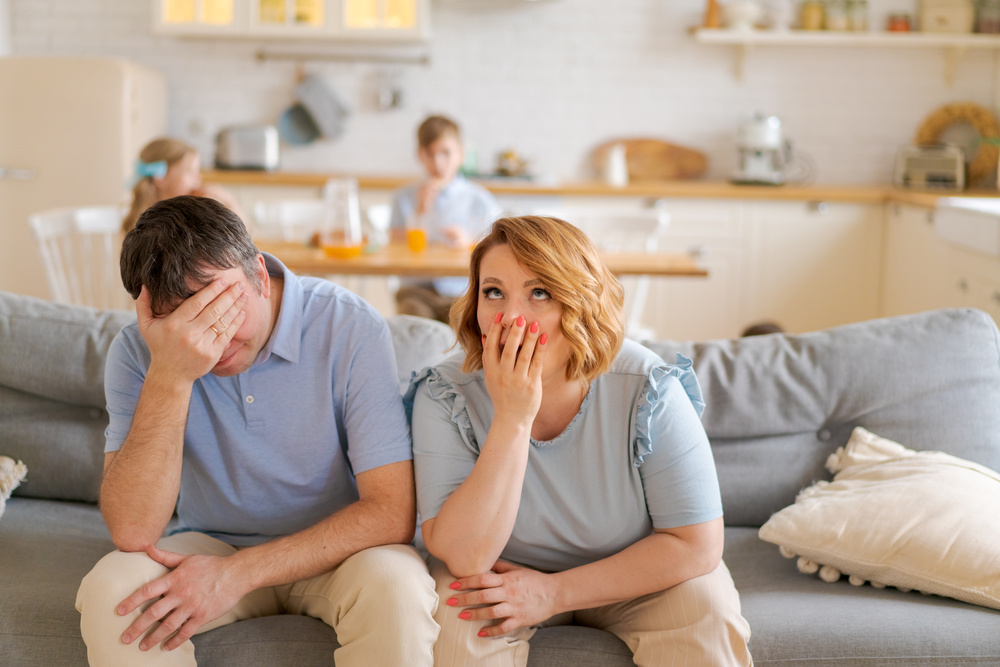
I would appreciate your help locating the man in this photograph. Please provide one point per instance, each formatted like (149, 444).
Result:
(265, 409)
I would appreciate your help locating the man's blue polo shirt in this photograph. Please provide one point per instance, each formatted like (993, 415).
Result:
(275, 449)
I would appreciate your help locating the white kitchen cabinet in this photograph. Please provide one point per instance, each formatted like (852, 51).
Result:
(716, 233)
(368, 20)
(814, 265)
(915, 262)
(973, 281)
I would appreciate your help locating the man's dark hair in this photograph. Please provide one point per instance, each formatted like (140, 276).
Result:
(181, 239)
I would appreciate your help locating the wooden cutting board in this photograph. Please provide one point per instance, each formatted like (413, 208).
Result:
(654, 160)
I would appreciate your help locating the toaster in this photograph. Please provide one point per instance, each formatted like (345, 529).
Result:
(247, 147)
(931, 167)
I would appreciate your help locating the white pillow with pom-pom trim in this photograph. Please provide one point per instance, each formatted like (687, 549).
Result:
(923, 521)
(12, 473)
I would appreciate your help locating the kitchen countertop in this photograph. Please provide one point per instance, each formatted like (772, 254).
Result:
(676, 189)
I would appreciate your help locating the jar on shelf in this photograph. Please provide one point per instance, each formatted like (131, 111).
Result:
(988, 16)
(857, 15)
(811, 15)
(898, 23)
(836, 15)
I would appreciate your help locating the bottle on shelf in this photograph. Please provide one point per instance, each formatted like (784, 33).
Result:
(837, 17)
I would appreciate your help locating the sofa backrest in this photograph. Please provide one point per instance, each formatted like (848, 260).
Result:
(52, 406)
(779, 405)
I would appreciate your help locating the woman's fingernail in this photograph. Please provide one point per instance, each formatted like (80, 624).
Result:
(465, 615)
(534, 327)
(451, 602)
(497, 319)
(542, 339)
(482, 633)
(455, 585)
(520, 320)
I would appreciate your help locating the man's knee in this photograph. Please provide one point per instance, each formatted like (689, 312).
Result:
(115, 577)
(393, 571)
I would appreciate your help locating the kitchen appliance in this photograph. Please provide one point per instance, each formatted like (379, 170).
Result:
(70, 131)
(930, 166)
(247, 147)
(764, 154)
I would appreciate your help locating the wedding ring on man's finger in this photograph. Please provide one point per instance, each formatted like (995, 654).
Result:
(217, 332)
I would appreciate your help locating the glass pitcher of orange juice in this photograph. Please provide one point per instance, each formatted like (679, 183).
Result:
(341, 228)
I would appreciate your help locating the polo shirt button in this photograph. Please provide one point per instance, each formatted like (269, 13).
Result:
(249, 399)
(823, 435)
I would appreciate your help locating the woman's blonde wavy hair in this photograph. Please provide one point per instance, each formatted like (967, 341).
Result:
(165, 149)
(567, 263)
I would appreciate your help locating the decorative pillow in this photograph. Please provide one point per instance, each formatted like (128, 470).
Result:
(896, 517)
(12, 473)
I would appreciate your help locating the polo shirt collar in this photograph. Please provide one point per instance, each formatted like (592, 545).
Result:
(286, 339)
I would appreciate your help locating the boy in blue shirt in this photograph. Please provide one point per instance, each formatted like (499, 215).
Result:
(448, 207)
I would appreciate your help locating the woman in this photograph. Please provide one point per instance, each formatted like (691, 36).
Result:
(563, 474)
(169, 168)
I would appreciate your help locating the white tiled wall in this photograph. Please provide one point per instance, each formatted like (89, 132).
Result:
(551, 79)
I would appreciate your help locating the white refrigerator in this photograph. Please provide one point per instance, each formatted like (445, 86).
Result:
(70, 132)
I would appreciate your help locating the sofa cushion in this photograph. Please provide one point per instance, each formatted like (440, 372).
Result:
(778, 405)
(896, 517)
(52, 412)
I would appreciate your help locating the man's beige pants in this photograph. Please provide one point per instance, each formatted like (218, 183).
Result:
(697, 623)
(380, 601)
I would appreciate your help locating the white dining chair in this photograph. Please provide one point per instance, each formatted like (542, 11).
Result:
(79, 249)
(621, 229)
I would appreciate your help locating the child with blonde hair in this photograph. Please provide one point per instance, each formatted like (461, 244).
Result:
(168, 168)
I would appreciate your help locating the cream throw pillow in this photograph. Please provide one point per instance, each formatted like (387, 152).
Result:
(11, 475)
(896, 517)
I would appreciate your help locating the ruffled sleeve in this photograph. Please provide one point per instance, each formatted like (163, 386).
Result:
(442, 390)
(654, 390)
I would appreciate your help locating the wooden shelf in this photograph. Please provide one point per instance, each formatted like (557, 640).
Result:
(953, 44)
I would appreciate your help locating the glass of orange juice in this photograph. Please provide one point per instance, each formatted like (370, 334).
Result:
(416, 238)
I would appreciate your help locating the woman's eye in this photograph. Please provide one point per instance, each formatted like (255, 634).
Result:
(492, 293)
(539, 293)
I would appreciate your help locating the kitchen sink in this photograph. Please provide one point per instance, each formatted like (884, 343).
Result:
(969, 222)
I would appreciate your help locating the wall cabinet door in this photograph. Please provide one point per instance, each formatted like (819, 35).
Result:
(815, 265)
(915, 262)
(199, 17)
(370, 20)
(388, 20)
(286, 18)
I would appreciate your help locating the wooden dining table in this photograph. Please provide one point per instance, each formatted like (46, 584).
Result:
(434, 261)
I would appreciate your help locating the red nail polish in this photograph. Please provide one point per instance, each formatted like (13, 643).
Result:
(520, 320)
(451, 602)
(498, 318)
(482, 633)
(543, 338)
(454, 585)
(465, 615)
(534, 327)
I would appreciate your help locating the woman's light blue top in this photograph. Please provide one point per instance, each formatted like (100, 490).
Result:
(634, 458)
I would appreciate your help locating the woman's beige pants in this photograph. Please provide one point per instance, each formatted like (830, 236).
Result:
(380, 601)
(697, 623)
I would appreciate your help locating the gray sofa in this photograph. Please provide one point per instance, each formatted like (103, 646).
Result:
(777, 406)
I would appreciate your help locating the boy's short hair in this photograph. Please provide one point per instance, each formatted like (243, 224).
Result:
(180, 239)
(433, 128)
